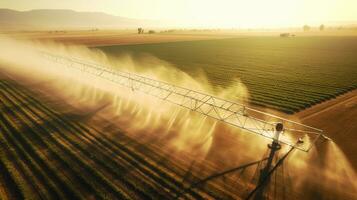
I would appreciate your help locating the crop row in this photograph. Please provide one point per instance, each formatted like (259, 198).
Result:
(45, 156)
(301, 69)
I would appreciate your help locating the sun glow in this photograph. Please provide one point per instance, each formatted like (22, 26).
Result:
(211, 13)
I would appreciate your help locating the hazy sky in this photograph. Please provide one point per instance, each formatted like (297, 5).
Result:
(211, 13)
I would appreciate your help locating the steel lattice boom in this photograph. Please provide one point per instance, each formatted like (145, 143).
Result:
(229, 112)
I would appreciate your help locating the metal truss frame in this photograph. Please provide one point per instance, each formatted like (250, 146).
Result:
(232, 113)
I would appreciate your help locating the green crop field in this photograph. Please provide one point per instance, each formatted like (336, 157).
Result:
(286, 74)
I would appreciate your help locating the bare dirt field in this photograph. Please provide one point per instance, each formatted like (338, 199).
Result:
(103, 38)
(337, 117)
(125, 37)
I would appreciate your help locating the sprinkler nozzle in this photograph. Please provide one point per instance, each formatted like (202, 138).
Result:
(300, 141)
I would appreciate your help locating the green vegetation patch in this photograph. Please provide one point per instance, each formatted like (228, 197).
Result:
(287, 74)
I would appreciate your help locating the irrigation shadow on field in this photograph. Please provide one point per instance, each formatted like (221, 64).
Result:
(51, 123)
(17, 107)
(84, 116)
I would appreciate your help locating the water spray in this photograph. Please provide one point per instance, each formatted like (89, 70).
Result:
(231, 113)
(324, 171)
(277, 129)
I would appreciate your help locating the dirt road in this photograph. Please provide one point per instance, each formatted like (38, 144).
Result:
(338, 119)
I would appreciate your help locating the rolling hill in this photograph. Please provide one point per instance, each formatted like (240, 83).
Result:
(47, 18)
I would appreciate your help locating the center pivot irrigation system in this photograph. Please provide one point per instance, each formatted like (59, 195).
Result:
(278, 129)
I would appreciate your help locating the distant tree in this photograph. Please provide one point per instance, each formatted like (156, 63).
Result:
(140, 30)
(306, 28)
(322, 27)
(151, 32)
